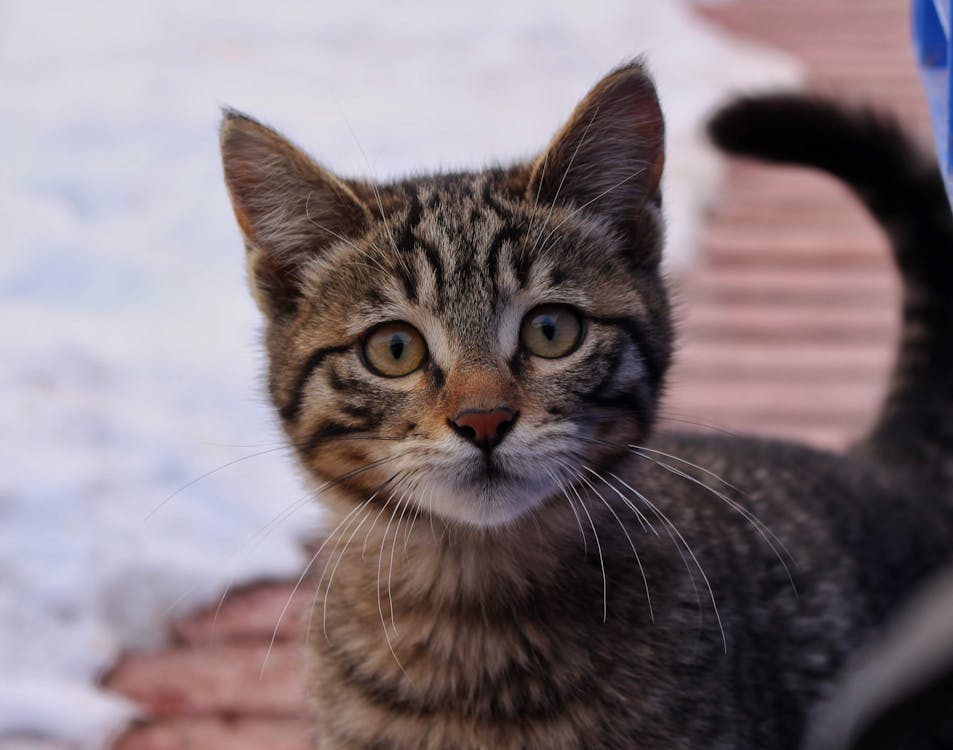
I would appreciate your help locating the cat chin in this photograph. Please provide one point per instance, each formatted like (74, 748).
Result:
(487, 502)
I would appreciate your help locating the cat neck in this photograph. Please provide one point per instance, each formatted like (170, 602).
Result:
(450, 562)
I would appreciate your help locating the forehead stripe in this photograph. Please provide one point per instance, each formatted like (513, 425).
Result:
(407, 240)
(508, 233)
(436, 264)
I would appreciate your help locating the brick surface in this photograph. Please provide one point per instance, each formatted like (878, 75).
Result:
(217, 679)
(254, 614)
(236, 733)
(787, 329)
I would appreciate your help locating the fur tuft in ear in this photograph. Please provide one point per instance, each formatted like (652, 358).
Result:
(289, 208)
(607, 160)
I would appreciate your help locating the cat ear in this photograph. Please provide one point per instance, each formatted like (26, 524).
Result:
(289, 208)
(607, 160)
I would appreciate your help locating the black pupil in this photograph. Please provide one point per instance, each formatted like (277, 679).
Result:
(547, 324)
(397, 343)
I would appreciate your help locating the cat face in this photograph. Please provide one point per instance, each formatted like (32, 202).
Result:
(464, 340)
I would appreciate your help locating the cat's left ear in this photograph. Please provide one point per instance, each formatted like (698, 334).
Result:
(290, 209)
(607, 160)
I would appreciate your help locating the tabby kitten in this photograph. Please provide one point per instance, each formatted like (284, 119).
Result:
(469, 365)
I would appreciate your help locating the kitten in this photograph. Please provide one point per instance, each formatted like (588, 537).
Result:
(468, 367)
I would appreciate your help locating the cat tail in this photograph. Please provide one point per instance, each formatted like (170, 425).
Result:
(904, 191)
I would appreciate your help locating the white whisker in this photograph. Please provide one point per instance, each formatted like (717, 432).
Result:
(688, 548)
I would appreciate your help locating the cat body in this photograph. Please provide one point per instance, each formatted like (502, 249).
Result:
(501, 638)
(468, 367)
(900, 692)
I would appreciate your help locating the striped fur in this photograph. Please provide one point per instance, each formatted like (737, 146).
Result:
(567, 590)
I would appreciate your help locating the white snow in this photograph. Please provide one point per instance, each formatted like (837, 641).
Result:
(128, 354)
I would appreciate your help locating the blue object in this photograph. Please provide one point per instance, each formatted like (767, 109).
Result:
(932, 42)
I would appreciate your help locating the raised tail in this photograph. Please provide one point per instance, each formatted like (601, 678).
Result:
(904, 191)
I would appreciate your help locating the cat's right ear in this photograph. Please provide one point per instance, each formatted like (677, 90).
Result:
(607, 160)
(289, 208)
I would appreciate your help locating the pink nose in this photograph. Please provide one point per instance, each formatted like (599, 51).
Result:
(486, 429)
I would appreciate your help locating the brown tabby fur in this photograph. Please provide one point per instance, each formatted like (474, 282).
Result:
(593, 584)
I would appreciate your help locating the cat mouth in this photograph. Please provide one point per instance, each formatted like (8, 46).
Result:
(491, 471)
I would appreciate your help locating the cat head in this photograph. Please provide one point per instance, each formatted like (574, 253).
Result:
(464, 338)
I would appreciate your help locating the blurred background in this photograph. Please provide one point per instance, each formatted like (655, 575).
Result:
(141, 473)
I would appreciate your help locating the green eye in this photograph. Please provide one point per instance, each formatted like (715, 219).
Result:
(551, 331)
(394, 349)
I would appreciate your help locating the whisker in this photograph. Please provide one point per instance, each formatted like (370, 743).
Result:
(228, 464)
(327, 590)
(294, 590)
(770, 538)
(256, 539)
(702, 469)
(635, 552)
(209, 473)
(572, 506)
(377, 195)
(430, 497)
(332, 483)
(393, 547)
(588, 203)
(766, 534)
(678, 548)
(688, 549)
(380, 606)
(410, 527)
(602, 565)
(343, 527)
(322, 227)
(562, 180)
(643, 521)
(397, 488)
(698, 423)
(317, 589)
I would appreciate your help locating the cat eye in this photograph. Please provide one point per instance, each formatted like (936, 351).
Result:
(551, 331)
(394, 349)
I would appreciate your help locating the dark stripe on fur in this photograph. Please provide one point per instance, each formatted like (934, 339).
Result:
(611, 363)
(408, 240)
(544, 703)
(491, 200)
(522, 263)
(433, 258)
(655, 361)
(350, 385)
(370, 417)
(507, 233)
(328, 431)
(408, 280)
(516, 363)
(636, 404)
(436, 375)
(292, 410)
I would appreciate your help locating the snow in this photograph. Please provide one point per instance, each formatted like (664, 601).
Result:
(129, 345)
